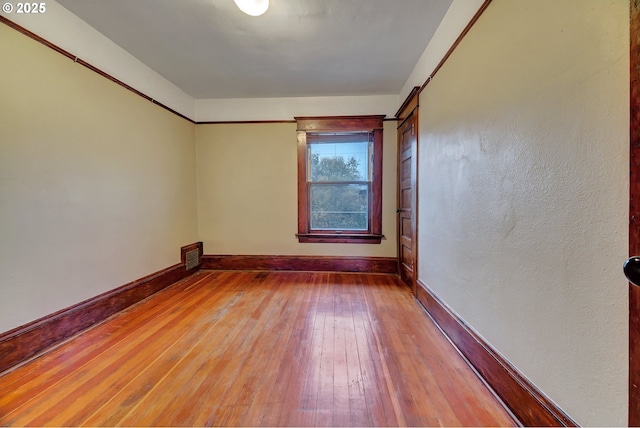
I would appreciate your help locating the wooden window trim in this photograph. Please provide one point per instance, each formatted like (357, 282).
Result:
(372, 124)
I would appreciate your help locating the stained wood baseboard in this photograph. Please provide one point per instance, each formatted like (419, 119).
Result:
(525, 401)
(301, 263)
(24, 342)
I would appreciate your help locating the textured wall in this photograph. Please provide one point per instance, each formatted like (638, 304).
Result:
(524, 194)
(97, 185)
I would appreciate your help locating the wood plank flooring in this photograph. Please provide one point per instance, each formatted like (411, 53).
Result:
(248, 348)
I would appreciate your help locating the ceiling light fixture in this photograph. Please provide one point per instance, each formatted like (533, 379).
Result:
(253, 7)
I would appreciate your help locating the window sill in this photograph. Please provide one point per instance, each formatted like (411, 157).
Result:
(339, 238)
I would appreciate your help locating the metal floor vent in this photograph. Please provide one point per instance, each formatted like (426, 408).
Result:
(192, 258)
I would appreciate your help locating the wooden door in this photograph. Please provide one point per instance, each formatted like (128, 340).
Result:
(634, 217)
(407, 200)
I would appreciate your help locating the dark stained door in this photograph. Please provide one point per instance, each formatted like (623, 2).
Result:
(407, 159)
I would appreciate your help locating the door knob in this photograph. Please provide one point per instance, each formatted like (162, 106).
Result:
(631, 269)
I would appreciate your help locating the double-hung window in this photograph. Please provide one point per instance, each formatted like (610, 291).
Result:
(340, 179)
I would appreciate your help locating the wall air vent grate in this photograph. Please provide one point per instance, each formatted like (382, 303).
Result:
(193, 258)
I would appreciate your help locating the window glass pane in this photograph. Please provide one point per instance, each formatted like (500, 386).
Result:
(344, 161)
(339, 206)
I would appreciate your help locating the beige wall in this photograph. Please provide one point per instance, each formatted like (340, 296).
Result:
(97, 185)
(247, 192)
(524, 194)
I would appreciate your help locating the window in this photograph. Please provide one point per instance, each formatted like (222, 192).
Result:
(340, 179)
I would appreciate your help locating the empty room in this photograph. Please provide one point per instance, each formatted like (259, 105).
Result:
(319, 213)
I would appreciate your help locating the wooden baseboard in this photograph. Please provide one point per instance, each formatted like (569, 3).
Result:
(301, 263)
(24, 342)
(526, 402)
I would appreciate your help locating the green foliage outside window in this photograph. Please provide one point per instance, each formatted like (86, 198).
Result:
(335, 205)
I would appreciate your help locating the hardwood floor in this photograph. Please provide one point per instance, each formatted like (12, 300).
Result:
(257, 349)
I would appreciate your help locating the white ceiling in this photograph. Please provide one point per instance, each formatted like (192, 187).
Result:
(298, 48)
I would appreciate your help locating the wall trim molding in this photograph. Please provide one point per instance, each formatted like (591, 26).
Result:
(455, 44)
(119, 82)
(25, 342)
(91, 67)
(528, 404)
(243, 122)
(301, 263)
